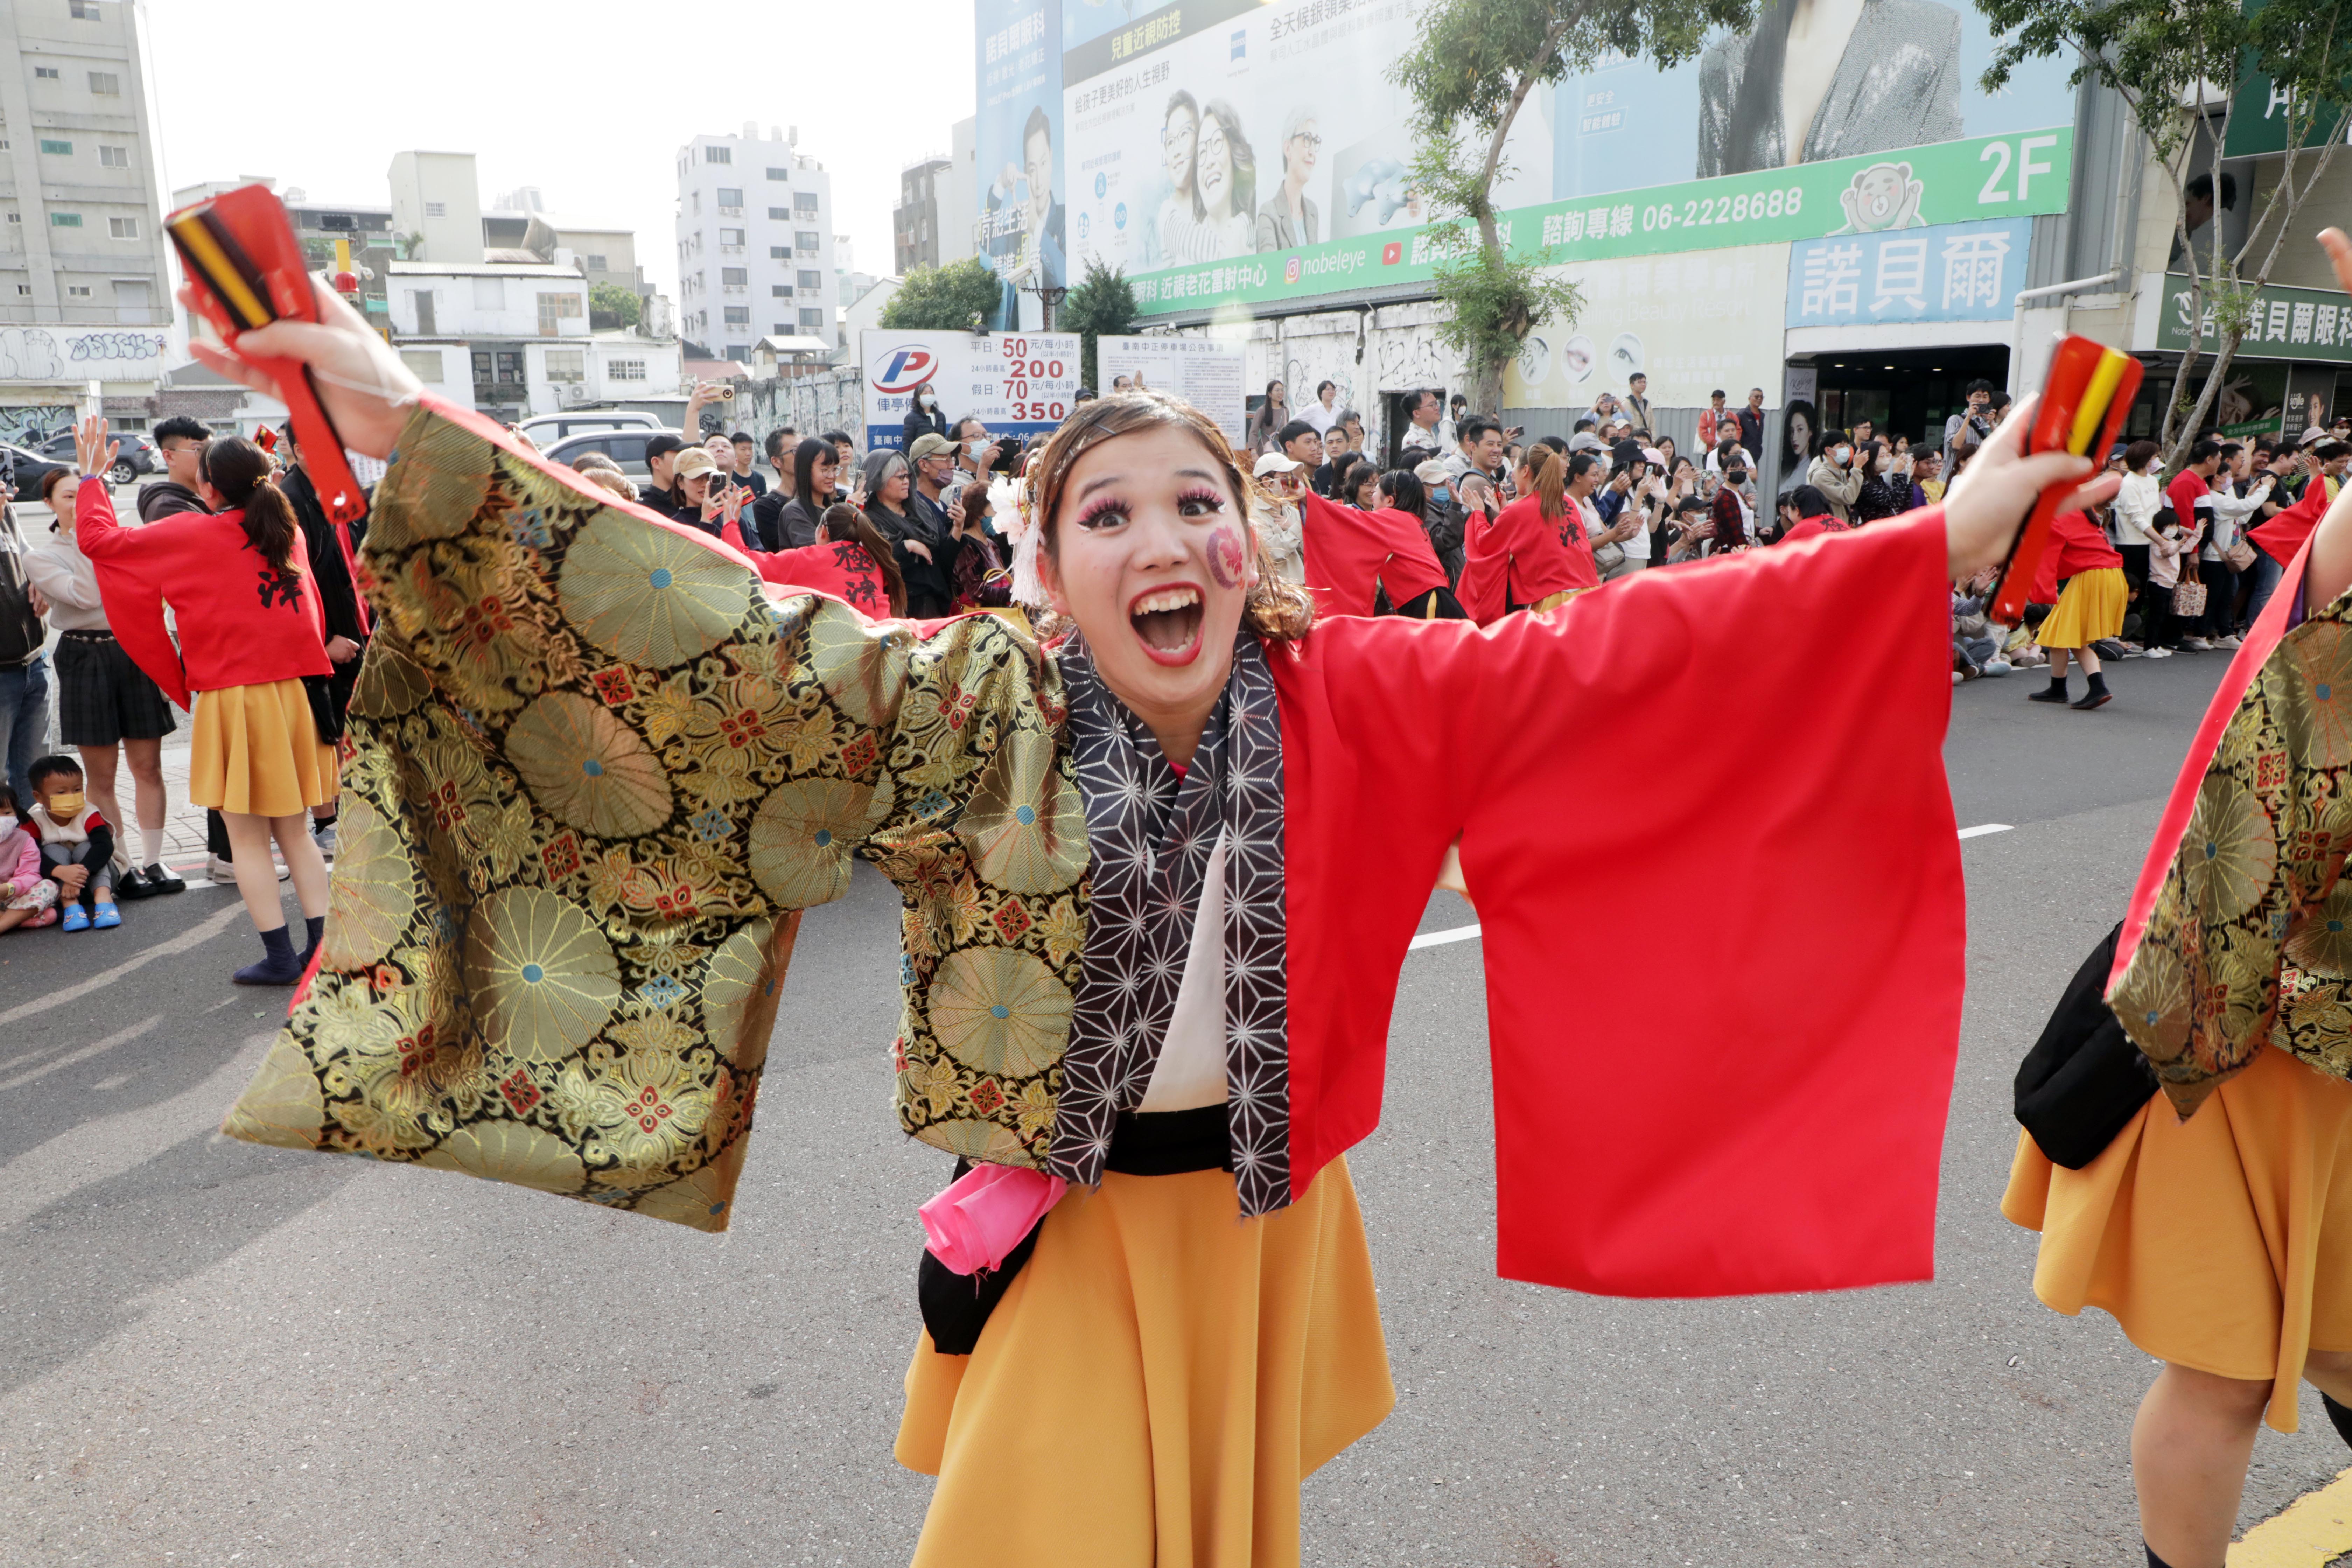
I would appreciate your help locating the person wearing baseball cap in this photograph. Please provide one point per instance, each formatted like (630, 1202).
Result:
(691, 486)
(1283, 480)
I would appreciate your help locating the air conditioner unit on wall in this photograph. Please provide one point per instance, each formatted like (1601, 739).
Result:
(571, 393)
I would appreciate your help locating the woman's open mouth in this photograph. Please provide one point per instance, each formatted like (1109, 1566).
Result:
(1167, 622)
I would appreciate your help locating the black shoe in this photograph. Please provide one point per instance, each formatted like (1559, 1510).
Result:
(130, 886)
(2091, 699)
(2047, 694)
(2340, 1415)
(160, 880)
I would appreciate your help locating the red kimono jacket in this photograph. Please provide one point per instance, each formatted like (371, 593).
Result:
(2283, 535)
(840, 568)
(1770, 1119)
(1523, 557)
(2076, 545)
(1350, 554)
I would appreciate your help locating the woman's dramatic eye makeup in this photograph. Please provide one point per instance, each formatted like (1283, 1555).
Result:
(1202, 495)
(1102, 510)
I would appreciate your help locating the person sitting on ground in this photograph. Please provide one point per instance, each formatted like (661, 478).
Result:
(27, 897)
(77, 845)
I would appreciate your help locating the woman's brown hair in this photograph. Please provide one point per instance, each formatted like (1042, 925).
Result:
(1548, 474)
(844, 524)
(1276, 608)
(240, 471)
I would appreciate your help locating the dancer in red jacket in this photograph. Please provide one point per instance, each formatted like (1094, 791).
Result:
(1159, 880)
(239, 584)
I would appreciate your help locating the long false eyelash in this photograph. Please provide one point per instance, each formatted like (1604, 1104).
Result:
(1095, 510)
(1203, 494)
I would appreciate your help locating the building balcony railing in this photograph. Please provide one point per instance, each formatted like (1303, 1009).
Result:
(730, 250)
(730, 212)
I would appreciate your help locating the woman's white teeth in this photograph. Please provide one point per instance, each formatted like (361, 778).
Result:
(1171, 599)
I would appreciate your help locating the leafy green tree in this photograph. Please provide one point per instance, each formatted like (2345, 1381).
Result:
(2155, 56)
(1470, 70)
(1102, 303)
(957, 298)
(611, 306)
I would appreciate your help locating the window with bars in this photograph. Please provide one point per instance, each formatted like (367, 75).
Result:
(624, 370)
(718, 154)
(436, 209)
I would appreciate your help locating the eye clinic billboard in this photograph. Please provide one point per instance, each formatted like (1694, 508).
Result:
(1231, 151)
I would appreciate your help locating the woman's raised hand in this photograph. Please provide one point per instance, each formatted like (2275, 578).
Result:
(364, 388)
(94, 455)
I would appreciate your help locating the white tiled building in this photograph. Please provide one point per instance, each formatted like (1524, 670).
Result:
(513, 339)
(755, 247)
(85, 294)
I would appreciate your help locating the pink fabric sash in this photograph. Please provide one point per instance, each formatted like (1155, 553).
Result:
(984, 1214)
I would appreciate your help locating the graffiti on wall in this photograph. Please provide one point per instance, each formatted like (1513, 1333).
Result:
(38, 354)
(32, 424)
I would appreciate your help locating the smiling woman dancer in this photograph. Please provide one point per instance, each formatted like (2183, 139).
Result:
(1160, 880)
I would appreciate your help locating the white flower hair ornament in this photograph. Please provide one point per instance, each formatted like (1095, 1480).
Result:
(1013, 502)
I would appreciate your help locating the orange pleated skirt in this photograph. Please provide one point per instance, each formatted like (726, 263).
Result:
(1155, 1382)
(255, 749)
(2222, 1243)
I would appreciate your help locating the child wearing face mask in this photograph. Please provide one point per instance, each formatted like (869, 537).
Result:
(77, 845)
(27, 897)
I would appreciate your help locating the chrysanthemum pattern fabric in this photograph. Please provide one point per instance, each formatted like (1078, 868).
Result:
(593, 772)
(2249, 940)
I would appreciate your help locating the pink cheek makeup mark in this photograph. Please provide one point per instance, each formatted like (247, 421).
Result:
(1225, 556)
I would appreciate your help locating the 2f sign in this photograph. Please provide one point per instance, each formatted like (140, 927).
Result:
(2001, 156)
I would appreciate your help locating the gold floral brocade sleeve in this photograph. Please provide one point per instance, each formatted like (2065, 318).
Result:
(593, 772)
(2250, 939)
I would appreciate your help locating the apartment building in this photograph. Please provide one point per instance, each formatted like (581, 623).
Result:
(915, 221)
(755, 247)
(85, 291)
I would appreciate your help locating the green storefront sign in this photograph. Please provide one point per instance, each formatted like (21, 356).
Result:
(2021, 175)
(2287, 323)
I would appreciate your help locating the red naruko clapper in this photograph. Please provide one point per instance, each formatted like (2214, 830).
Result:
(2089, 391)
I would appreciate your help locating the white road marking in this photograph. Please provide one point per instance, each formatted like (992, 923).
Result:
(204, 930)
(1463, 934)
(108, 1044)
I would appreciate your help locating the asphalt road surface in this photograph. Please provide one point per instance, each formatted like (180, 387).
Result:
(212, 1353)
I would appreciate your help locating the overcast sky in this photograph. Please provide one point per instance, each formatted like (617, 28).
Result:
(588, 100)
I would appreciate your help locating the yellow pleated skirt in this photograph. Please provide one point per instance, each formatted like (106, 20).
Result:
(2089, 607)
(1155, 1382)
(2222, 1243)
(256, 751)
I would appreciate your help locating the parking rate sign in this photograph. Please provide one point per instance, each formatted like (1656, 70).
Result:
(1016, 383)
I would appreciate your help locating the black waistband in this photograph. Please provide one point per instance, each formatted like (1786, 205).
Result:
(1170, 1142)
(78, 635)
